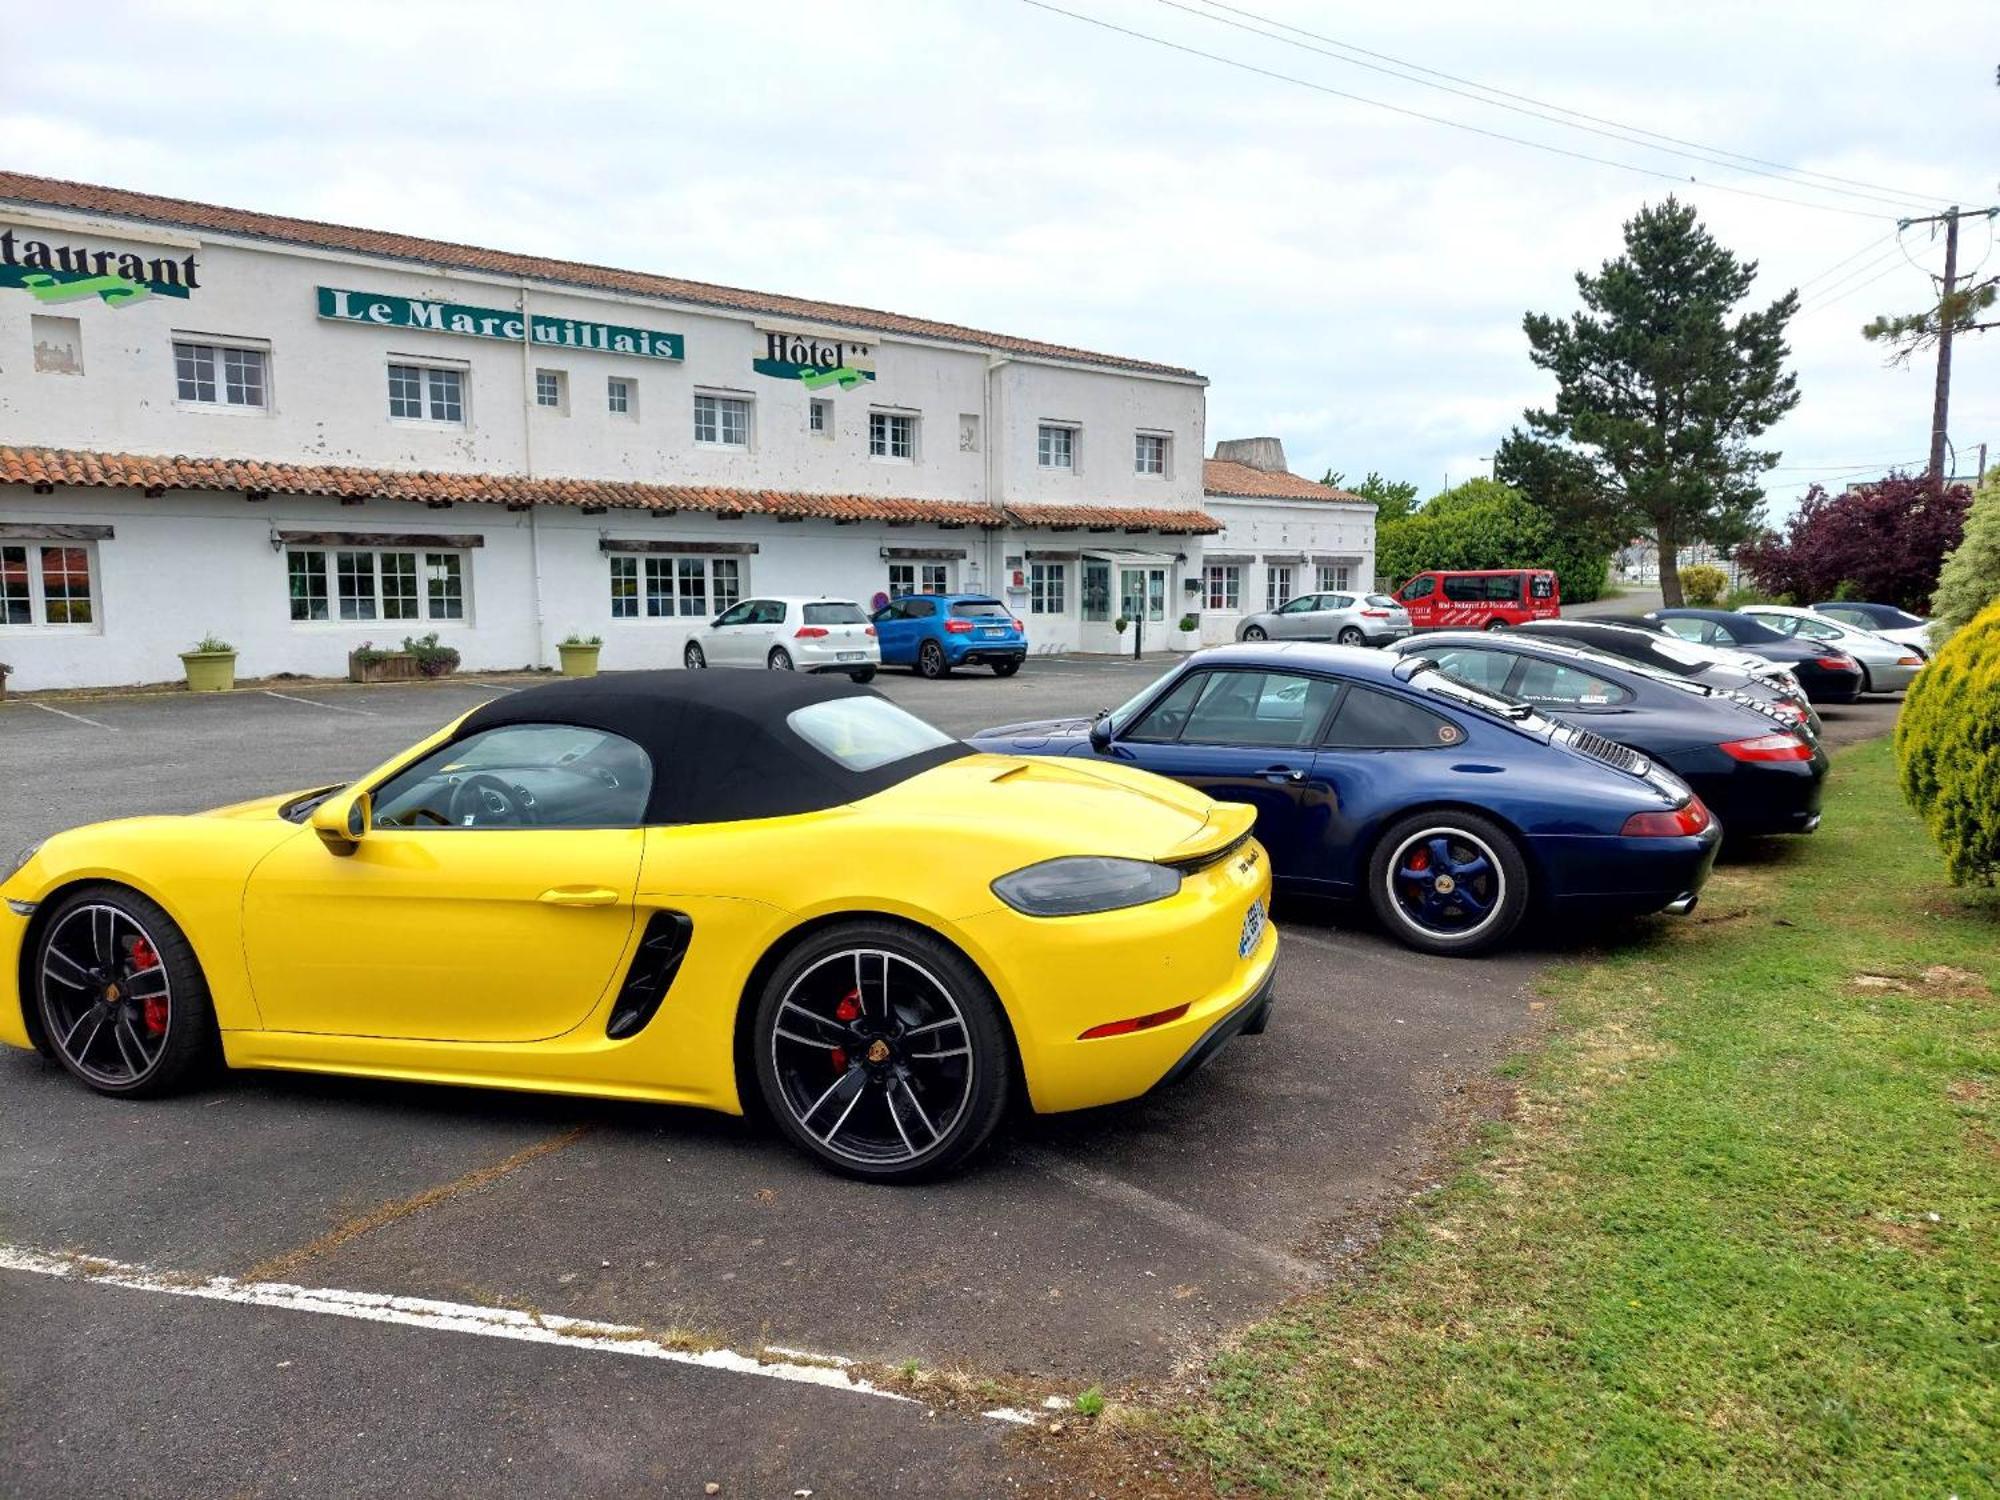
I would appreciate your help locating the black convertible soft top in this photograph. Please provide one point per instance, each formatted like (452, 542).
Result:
(719, 741)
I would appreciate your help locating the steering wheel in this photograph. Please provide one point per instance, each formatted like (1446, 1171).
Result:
(483, 799)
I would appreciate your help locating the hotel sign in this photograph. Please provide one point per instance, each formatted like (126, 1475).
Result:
(386, 310)
(816, 358)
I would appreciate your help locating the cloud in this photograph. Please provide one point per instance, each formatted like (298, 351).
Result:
(1350, 279)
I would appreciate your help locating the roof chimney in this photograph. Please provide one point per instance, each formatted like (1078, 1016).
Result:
(1265, 453)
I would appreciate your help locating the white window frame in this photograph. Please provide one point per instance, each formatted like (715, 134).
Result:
(1048, 588)
(1333, 578)
(38, 622)
(667, 578)
(427, 390)
(719, 405)
(621, 396)
(914, 575)
(884, 427)
(552, 384)
(1274, 575)
(819, 417)
(1047, 444)
(1222, 586)
(431, 565)
(218, 348)
(1142, 443)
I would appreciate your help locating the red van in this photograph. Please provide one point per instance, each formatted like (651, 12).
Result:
(1480, 599)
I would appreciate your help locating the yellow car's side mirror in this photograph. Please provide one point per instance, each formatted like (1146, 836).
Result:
(343, 820)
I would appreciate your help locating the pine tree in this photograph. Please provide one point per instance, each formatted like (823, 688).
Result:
(1659, 392)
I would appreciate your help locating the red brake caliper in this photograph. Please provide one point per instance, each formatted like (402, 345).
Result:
(154, 1008)
(848, 1009)
(1421, 860)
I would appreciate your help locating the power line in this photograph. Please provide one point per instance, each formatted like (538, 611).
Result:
(1538, 109)
(1417, 114)
(1848, 284)
(1810, 280)
(1563, 110)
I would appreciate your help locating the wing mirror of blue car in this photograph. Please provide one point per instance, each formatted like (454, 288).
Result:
(1100, 733)
(342, 821)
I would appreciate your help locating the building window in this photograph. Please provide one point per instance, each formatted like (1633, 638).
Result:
(549, 389)
(1224, 585)
(1277, 585)
(891, 435)
(1332, 578)
(1047, 588)
(722, 421)
(46, 583)
(1055, 446)
(219, 375)
(427, 393)
(819, 417)
(1149, 453)
(618, 397)
(359, 584)
(919, 578)
(673, 587)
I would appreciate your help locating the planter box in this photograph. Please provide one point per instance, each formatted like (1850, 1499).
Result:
(579, 661)
(3, 687)
(209, 671)
(392, 666)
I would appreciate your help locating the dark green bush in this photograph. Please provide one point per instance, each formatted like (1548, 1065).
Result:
(1948, 746)
(1485, 524)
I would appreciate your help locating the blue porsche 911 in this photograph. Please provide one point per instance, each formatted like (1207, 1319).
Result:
(1453, 810)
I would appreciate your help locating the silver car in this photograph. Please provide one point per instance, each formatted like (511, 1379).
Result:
(1887, 666)
(1349, 619)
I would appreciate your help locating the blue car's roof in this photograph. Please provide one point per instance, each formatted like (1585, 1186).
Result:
(952, 598)
(1359, 662)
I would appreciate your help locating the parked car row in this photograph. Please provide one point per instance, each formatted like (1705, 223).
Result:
(932, 633)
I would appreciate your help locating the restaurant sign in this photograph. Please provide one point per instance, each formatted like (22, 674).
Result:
(816, 358)
(75, 272)
(385, 310)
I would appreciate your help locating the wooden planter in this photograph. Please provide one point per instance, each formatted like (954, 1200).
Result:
(209, 671)
(3, 685)
(392, 666)
(579, 661)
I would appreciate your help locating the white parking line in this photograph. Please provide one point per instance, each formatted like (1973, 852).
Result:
(332, 708)
(498, 687)
(65, 713)
(441, 1317)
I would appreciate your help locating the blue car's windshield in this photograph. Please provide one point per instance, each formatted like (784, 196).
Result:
(1120, 715)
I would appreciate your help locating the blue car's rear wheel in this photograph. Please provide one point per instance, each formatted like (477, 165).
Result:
(931, 661)
(122, 1002)
(1448, 882)
(879, 1051)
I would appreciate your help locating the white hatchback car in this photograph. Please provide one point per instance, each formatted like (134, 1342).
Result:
(789, 634)
(1886, 666)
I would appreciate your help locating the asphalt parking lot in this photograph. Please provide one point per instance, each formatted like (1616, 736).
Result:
(1108, 1248)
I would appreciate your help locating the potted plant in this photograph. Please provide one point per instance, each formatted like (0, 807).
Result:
(432, 659)
(1121, 624)
(579, 654)
(368, 662)
(210, 666)
(1190, 628)
(4, 670)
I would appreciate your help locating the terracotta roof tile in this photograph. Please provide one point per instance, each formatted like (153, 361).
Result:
(1221, 476)
(83, 197)
(65, 466)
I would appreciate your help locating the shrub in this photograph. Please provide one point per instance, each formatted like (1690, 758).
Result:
(1702, 584)
(1970, 579)
(1883, 542)
(575, 638)
(433, 660)
(1948, 746)
(211, 644)
(367, 654)
(1484, 524)
(1190, 622)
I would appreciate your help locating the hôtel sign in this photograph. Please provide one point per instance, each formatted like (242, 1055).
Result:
(386, 310)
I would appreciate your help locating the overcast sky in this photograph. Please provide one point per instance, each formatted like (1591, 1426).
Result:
(1349, 279)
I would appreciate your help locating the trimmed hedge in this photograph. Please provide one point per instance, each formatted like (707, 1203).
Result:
(1702, 584)
(1948, 746)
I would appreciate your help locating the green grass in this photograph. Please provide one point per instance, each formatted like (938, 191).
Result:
(1739, 1236)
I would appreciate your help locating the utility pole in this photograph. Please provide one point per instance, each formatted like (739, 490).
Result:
(1941, 401)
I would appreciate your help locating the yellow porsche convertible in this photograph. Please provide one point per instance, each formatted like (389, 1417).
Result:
(718, 889)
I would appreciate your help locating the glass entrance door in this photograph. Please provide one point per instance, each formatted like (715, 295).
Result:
(1142, 594)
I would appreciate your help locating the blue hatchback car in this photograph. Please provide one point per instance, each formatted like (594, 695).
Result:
(936, 632)
(1451, 810)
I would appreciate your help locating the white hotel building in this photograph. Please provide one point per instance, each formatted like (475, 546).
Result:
(302, 437)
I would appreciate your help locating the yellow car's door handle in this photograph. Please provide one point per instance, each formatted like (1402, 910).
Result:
(580, 895)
